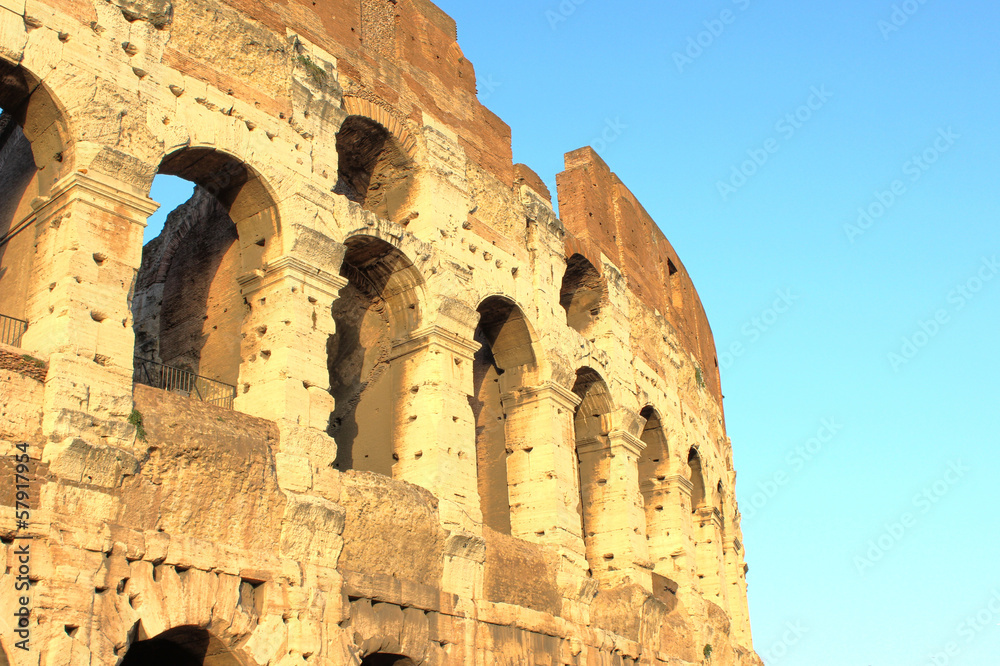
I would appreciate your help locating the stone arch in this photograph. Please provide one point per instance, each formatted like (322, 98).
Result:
(379, 306)
(697, 479)
(583, 294)
(591, 427)
(502, 364)
(376, 166)
(189, 310)
(654, 471)
(386, 659)
(181, 646)
(34, 154)
(720, 501)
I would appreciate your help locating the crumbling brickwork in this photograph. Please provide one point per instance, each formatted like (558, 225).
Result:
(465, 430)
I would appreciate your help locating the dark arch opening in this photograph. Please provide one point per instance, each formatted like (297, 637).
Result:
(182, 646)
(374, 171)
(593, 466)
(582, 294)
(378, 306)
(499, 366)
(697, 480)
(720, 501)
(654, 468)
(386, 659)
(189, 310)
(33, 156)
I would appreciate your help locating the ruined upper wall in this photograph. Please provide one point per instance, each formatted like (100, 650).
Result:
(402, 56)
(603, 216)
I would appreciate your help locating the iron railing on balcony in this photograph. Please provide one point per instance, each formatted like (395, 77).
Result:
(11, 330)
(194, 386)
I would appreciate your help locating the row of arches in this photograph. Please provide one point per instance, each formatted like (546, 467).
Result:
(191, 311)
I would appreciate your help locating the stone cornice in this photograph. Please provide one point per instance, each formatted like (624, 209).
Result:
(547, 391)
(434, 335)
(99, 194)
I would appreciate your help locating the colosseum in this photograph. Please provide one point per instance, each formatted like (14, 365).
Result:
(367, 399)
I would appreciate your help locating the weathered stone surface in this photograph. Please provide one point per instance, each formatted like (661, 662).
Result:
(410, 414)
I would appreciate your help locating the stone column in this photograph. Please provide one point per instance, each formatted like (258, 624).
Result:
(283, 370)
(613, 509)
(541, 468)
(434, 434)
(88, 247)
(668, 528)
(739, 609)
(710, 554)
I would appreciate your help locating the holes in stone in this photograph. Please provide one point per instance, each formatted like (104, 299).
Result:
(71, 630)
(265, 353)
(120, 589)
(261, 330)
(98, 316)
(99, 258)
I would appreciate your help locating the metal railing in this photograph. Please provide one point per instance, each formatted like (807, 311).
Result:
(187, 383)
(11, 330)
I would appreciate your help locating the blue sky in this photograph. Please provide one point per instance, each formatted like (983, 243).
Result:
(864, 415)
(892, 429)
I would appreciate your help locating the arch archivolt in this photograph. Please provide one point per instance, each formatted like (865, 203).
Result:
(158, 599)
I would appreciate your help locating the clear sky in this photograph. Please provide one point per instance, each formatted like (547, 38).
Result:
(926, 80)
(859, 353)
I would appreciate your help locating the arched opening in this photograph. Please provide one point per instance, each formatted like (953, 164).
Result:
(499, 366)
(32, 157)
(374, 171)
(189, 311)
(582, 294)
(697, 480)
(386, 659)
(593, 456)
(182, 646)
(378, 306)
(720, 505)
(654, 468)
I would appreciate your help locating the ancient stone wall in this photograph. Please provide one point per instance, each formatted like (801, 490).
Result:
(466, 431)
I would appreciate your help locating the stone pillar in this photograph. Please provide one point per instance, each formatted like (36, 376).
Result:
(541, 468)
(739, 609)
(710, 556)
(434, 434)
(88, 247)
(613, 509)
(283, 370)
(668, 528)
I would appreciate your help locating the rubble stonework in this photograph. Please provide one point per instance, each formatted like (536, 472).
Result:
(465, 430)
